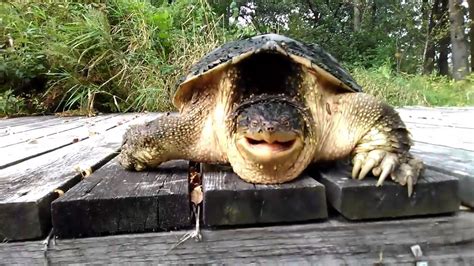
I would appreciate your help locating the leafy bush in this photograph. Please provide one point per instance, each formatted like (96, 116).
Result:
(114, 56)
(127, 55)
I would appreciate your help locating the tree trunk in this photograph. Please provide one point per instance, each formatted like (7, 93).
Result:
(471, 32)
(444, 39)
(374, 12)
(429, 15)
(357, 15)
(443, 66)
(460, 54)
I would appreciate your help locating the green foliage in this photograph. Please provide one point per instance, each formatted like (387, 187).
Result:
(127, 55)
(113, 56)
(9, 104)
(408, 89)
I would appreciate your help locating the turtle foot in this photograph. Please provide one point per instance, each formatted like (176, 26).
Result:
(402, 168)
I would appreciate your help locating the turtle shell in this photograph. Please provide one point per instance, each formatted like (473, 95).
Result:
(312, 56)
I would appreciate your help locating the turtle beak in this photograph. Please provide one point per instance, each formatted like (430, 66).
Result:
(272, 137)
(267, 146)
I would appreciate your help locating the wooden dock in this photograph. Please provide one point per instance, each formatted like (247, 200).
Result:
(61, 173)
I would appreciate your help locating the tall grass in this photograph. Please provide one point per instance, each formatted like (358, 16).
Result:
(115, 56)
(127, 55)
(401, 89)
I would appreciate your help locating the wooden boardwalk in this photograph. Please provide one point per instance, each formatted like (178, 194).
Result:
(119, 211)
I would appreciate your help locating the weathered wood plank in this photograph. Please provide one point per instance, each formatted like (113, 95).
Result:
(16, 153)
(460, 138)
(38, 123)
(435, 193)
(55, 127)
(17, 121)
(228, 200)
(454, 162)
(113, 200)
(445, 240)
(27, 189)
(453, 117)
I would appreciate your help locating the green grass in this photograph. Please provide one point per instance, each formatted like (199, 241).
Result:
(404, 89)
(127, 55)
(121, 55)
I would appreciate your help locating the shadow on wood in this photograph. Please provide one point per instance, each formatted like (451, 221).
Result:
(435, 193)
(113, 200)
(228, 200)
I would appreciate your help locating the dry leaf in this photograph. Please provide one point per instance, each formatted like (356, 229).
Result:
(197, 195)
(59, 191)
(194, 179)
(85, 172)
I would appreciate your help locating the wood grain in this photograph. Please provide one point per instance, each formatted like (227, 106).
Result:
(27, 188)
(444, 240)
(435, 193)
(460, 117)
(228, 200)
(458, 138)
(453, 162)
(16, 153)
(37, 123)
(113, 200)
(54, 126)
(8, 124)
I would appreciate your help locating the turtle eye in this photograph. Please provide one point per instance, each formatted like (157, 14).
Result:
(253, 123)
(285, 121)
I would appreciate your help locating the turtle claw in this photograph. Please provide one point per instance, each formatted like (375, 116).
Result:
(402, 168)
(357, 161)
(407, 173)
(364, 162)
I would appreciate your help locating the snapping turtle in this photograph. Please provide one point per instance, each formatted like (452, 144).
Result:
(270, 106)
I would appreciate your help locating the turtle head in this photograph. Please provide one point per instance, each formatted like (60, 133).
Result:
(269, 139)
(269, 132)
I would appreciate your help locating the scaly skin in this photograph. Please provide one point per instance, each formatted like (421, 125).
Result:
(187, 135)
(340, 125)
(373, 134)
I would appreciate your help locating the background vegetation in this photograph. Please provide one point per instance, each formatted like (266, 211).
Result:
(127, 55)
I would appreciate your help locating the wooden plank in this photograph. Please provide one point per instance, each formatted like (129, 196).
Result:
(16, 153)
(38, 123)
(27, 188)
(454, 117)
(460, 138)
(113, 200)
(453, 162)
(445, 240)
(228, 200)
(435, 193)
(56, 126)
(12, 122)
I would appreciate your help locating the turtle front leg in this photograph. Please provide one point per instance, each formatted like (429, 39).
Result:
(169, 137)
(379, 139)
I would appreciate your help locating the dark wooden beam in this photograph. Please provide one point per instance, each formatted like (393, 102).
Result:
(113, 200)
(447, 240)
(228, 200)
(435, 193)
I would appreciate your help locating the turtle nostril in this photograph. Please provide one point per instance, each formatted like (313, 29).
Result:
(270, 128)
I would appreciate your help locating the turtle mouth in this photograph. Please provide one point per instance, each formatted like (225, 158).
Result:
(265, 147)
(276, 146)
